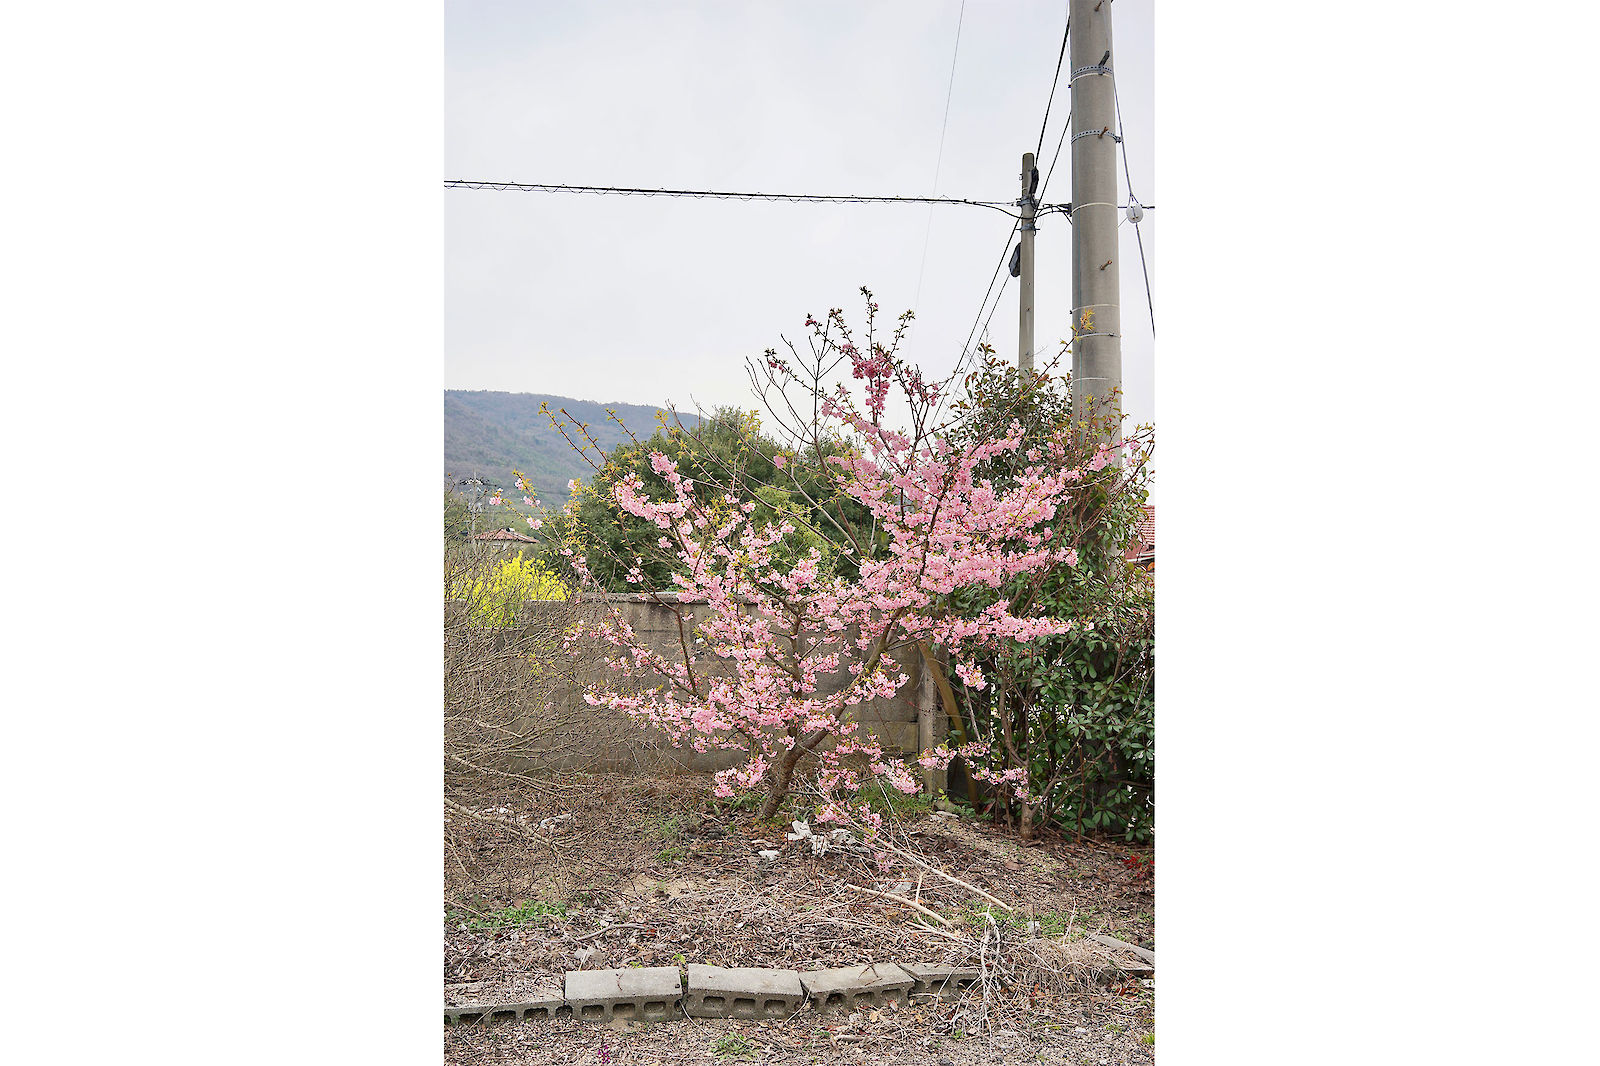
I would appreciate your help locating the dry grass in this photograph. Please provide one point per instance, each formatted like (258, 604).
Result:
(1064, 966)
(653, 871)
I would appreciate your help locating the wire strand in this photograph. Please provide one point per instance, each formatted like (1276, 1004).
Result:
(966, 348)
(1045, 184)
(1002, 206)
(1122, 145)
(1148, 302)
(938, 163)
(1053, 82)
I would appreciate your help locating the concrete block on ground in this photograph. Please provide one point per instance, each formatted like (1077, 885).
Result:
(937, 978)
(533, 1010)
(857, 987)
(742, 992)
(650, 993)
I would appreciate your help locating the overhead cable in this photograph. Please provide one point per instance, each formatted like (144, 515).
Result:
(1003, 206)
(938, 161)
(1132, 199)
(1053, 82)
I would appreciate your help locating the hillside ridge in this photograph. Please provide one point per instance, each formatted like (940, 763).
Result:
(489, 434)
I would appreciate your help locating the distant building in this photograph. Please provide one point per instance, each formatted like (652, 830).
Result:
(500, 539)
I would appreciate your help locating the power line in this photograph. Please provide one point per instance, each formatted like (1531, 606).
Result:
(938, 162)
(1053, 82)
(997, 298)
(1043, 185)
(966, 347)
(710, 194)
(1147, 301)
(1122, 144)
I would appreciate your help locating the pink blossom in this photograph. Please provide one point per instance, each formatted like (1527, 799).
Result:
(750, 675)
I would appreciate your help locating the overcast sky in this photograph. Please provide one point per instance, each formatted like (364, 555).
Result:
(654, 300)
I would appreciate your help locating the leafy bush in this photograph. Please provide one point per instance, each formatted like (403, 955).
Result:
(1103, 682)
(723, 450)
(1074, 712)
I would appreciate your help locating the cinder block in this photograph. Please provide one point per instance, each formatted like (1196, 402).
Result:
(937, 978)
(856, 987)
(742, 992)
(650, 993)
(528, 1010)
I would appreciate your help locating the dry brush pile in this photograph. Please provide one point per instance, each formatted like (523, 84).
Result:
(510, 678)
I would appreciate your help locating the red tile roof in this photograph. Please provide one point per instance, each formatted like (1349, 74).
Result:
(1143, 548)
(505, 534)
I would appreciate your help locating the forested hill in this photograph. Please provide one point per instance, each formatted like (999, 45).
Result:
(491, 433)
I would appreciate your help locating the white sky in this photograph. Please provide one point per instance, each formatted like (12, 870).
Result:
(654, 300)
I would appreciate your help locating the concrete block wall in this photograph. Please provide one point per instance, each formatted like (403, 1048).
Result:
(904, 724)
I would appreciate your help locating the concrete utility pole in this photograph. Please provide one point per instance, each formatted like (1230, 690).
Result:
(474, 485)
(1097, 351)
(1030, 185)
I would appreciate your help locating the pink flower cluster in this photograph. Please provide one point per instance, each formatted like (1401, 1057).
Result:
(1013, 780)
(776, 658)
(747, 675)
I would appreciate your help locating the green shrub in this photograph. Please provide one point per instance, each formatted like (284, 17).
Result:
(1077, 710)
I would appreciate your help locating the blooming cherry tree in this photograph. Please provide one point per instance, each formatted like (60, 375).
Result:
(747, 671)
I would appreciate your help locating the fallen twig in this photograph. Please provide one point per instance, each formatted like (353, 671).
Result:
(938, 932)
(465, 907)
(609, 929)
(948, 877)
(935, 915)
(500, 820)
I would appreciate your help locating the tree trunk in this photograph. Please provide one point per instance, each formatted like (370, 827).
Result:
(1025, 821)
(782, 774)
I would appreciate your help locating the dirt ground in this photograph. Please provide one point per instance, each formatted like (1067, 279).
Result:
(655, 872)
